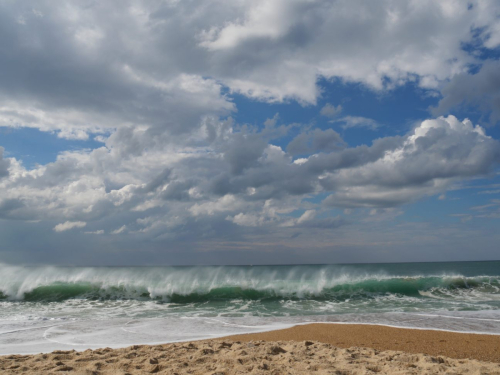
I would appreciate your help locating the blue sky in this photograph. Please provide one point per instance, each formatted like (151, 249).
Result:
(260, 132)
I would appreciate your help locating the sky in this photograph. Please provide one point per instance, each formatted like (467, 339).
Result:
(249, 132)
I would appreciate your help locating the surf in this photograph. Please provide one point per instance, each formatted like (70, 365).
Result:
(185, 285)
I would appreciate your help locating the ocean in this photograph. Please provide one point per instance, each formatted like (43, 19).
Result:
(48, 308)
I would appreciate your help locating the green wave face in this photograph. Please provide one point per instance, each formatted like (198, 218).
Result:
(261, 289)
(419, 287)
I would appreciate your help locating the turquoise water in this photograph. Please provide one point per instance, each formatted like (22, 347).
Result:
(262, 296)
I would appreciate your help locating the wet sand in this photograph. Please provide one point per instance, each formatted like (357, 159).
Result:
(313, 348)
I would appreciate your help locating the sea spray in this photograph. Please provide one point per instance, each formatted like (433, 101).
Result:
(266, 283)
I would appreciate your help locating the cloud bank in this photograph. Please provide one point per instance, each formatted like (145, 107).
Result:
(154, 83)
(240, 176)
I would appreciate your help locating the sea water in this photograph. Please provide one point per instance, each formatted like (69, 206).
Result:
(48, 308)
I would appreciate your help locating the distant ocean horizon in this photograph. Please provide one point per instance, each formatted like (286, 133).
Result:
(49, 307)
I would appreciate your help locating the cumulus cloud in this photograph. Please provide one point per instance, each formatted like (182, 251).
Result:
(67, 225)
(434, 155)
(176, 185)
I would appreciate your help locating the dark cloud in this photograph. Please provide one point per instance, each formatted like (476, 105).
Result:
(480, 90)
(4, 164)
(316, 140)
(326, 223)
(243, 151)
(9, 208)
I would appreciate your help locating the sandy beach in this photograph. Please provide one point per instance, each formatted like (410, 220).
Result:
(449, 344)
(313, 348)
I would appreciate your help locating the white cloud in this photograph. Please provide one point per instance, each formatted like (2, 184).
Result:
(429, 159)
(306, 216)
(122, 229)
(226, 203)
(229, 177)
(372, 43)
(67, 225)
(247, 220)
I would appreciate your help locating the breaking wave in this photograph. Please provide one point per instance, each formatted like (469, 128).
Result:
(205, 284)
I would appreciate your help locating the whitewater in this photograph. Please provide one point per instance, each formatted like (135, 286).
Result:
(48, 308)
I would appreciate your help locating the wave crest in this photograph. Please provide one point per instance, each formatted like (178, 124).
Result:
(201, 284)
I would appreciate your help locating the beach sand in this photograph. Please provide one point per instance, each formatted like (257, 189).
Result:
(449, 344)
(313, 348)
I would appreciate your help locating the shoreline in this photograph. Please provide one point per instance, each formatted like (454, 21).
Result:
(303, 348)
(280, 331)
(367, 324)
